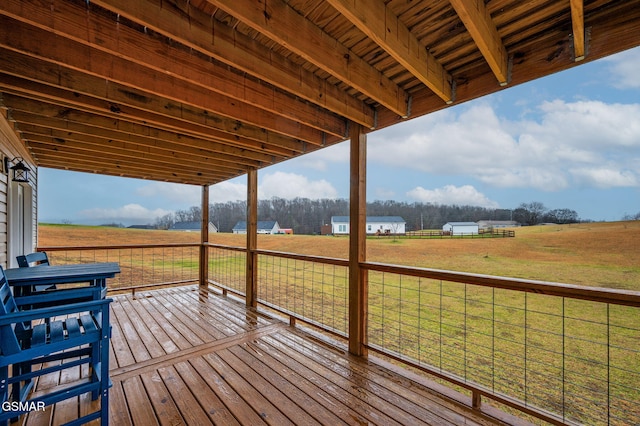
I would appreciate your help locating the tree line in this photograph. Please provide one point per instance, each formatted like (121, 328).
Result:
(306, 216)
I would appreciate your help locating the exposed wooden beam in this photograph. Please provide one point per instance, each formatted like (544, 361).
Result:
(203, 266)
(278, 21)
(134, 80)
(45, 145)
(476, 18)
(80, 161)
(251, 294)
(199, 31)
(114, 96)
(376, 20)
(577, 21)
(141, 136)
(103, 146)
(535, 61)
(357, 242)
(75, 30)
(56, 102)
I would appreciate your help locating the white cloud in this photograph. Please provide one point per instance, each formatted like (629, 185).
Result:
(291, 185)
(624, 69)
(320, 159)
(185, 195)
(130, 213)
(606, 178)
(465, 195)
(384, 193)
(227, 191)
(550, 153)
(277, 184)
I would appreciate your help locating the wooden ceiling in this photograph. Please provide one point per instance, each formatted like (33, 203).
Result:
(200, 91)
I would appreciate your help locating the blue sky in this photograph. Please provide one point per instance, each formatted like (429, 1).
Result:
(570, 140)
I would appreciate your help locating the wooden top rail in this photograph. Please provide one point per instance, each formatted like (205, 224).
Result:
(306, 258)
(224, 247)
(596, 294)
(117, 247)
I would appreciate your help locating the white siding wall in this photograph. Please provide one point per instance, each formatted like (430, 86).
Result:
(394, 228)
(460, 229)
(11, 146)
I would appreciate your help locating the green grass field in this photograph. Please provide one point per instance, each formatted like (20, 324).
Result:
(593, 254)
(567, 356)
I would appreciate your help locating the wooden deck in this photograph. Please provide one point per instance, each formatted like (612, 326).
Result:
(182, 356)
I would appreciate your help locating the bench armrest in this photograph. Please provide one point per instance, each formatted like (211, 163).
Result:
(41, 313)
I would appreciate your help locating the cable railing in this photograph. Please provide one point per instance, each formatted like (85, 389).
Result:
(564, 353)
(141, 266)
(227, 268)
(311, 288)
(567, 354)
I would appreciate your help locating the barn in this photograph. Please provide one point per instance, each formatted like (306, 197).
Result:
(460, 228)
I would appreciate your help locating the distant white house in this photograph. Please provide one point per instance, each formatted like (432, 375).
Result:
(375, 224)
(264, 227)
(192, 227)
(458, 228)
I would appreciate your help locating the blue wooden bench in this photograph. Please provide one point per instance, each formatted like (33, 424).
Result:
(82, 337)
(38, 258)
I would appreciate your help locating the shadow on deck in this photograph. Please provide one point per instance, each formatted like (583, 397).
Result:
(186, 356)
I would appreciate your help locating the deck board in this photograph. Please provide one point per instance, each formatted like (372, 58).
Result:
(183, 356)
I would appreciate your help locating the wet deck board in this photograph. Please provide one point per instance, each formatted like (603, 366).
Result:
(178, 357)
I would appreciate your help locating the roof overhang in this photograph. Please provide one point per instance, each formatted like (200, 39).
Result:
(202, 91)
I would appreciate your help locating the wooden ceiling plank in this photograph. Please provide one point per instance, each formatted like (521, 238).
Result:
(71, 22)
(84, 165)
(204, 34)
(141, 82)
(476, 18)
(540, 57)
(118, 96)
(87, 158)
(577, 23)
(145, 137)
(378, 22)
(278, 21)
(127, 119)
(42, 143)
(103, 144)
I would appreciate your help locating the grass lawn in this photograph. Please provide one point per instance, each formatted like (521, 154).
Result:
(568, 356)
(592, 254)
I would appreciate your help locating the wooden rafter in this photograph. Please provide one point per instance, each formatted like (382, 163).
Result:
(278, 21)
(79, 32)
(577, 23)
(130, 88)
(379, 23)
(142, 137)
(141, 85)
(477, 20)
(140, 148)
(117, 94)
(198, 31)
(125, 118)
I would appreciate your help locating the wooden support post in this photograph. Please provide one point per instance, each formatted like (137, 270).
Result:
(204, 239)
(252, 239)
(357, 242)
(476, 400)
